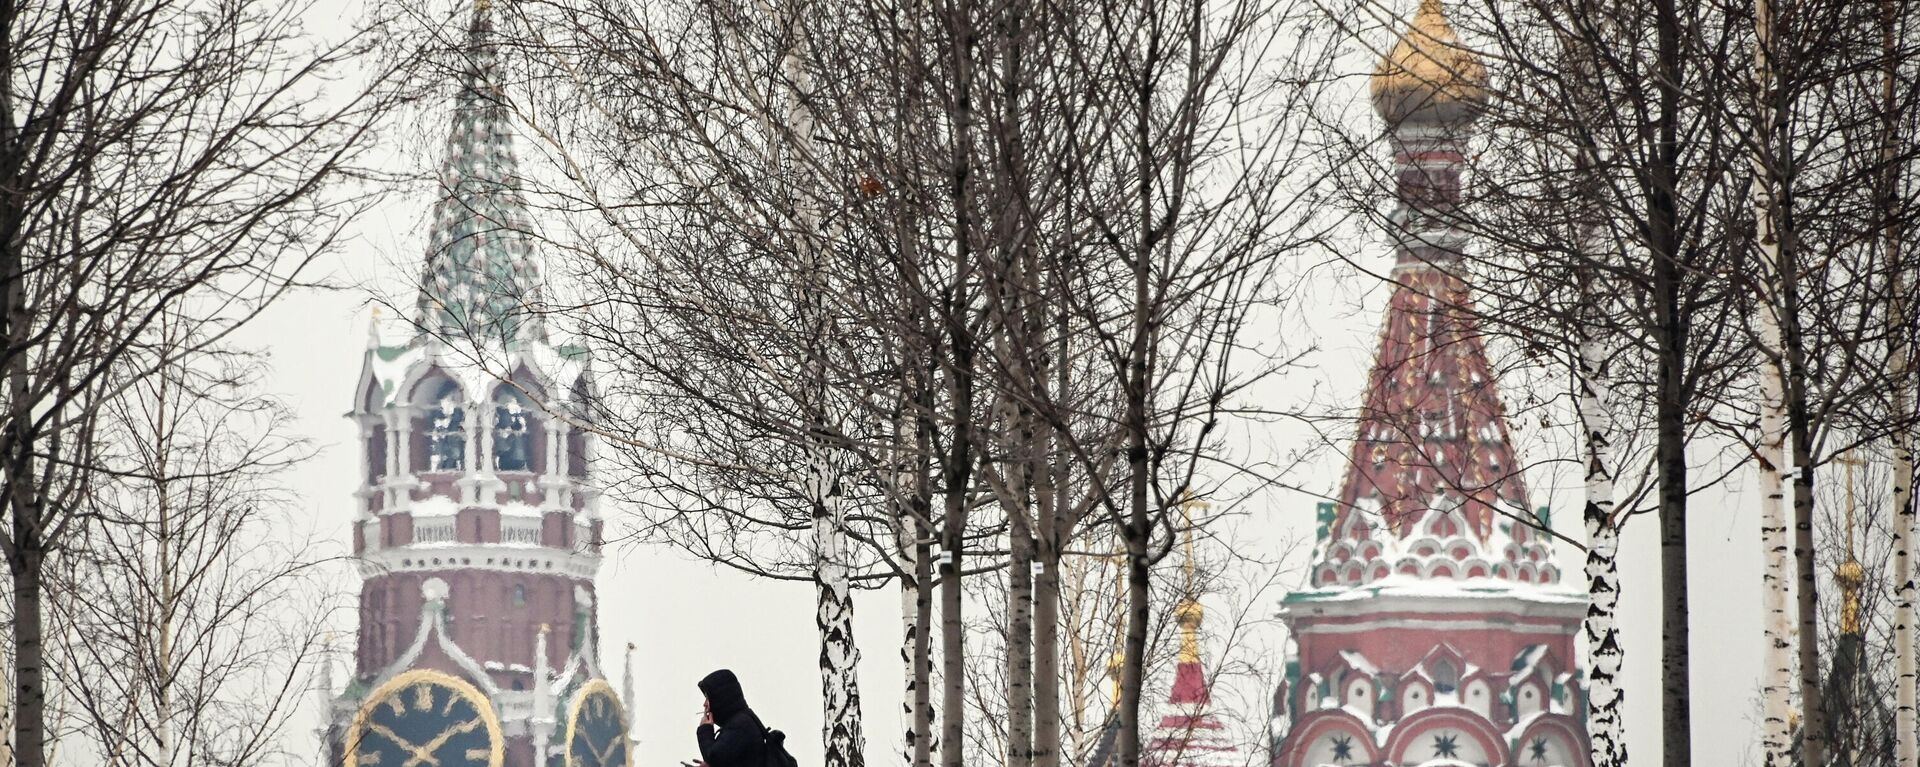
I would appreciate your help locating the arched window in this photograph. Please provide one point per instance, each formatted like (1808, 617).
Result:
(519, 595)
(446, 429)
(512, 431)
(1446, 678)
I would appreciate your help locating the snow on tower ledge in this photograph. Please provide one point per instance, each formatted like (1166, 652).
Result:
(1434, 629)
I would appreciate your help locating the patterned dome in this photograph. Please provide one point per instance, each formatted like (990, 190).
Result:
(1429, 76)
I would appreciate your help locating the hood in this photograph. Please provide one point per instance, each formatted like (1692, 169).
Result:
(723, 693)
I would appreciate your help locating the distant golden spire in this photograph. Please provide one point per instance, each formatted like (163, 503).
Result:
(1850, 574)
(1189, 614)
(1428, 75)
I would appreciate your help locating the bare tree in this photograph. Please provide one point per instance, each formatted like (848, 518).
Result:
(186, 631)
(968, 259)
(1817, 136)
(161, 159)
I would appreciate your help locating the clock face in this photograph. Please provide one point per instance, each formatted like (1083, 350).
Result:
(425, 718)
(597, 729)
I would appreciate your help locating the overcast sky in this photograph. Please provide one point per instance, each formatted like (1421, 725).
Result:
(688, 618)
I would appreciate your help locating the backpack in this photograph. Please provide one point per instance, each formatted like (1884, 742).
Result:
(776, 750)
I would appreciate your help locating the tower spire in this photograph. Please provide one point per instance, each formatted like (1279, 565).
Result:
(1432, 459)
(626, 682)
(1850, 575)
(1189, 613)
(481, 283)
(1189, 735)
(1429, 76)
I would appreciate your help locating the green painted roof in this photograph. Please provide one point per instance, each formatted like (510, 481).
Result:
(481, 282)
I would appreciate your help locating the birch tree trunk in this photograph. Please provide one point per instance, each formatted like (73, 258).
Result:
(916, 610)
(1779, 315)
(1019, 660)
(1906, 750)
(1671, 393)
(839, 654)
(1776, 685)
(1018, 644)
(1046, 616)
(957, 470)
(1777, 671)
(916, 594)
(1606, 700)
(1906, 728)
(841, 733)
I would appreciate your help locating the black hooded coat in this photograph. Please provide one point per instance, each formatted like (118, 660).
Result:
(740, 739)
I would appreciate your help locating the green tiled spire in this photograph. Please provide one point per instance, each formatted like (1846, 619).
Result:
(481, 283)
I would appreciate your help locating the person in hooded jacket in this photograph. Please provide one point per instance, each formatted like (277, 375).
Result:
(730, 734)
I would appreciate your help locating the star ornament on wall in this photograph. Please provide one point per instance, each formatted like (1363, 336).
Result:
(1538, 749)
(1447, 745)
(1342, 748)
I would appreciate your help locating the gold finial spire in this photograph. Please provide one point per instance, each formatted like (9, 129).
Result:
(1850, 574)
(1428, 75)
(1189, 614)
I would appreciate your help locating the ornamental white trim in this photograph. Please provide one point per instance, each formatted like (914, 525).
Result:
(488, 557)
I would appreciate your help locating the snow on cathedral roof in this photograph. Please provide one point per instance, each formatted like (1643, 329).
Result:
(1433, 487)
(481, 282)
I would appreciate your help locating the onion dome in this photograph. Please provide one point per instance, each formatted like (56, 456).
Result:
(1429, 76)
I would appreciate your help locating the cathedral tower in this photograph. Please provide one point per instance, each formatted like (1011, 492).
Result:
(1435, 629)
(476, 530)
(1189, 733)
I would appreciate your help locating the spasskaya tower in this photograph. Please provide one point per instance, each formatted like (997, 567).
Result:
(476, 526)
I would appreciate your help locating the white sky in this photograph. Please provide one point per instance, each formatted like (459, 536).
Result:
(688, 618)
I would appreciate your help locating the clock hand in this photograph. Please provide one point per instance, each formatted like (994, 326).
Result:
(426, 752)
(420, 755)
(606, 757)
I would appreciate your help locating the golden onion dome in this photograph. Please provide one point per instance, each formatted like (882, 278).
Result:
(1429, 76)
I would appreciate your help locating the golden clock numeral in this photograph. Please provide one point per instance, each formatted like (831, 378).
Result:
(396, 705)
(476, 754)
(370, 759)
(452, 702)
(422, 697)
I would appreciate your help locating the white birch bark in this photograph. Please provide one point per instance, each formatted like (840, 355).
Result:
(841, 737)
(910, 543)
(1906, 729)
(1906, 749)
(839, 655)
(909, 630)
(1606, 701)
(1777, 669)
(1777, 673)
